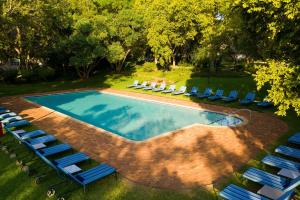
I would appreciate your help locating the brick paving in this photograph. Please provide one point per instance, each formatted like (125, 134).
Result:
(190, 157)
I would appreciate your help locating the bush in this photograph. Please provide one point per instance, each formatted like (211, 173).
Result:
(8, 75)
(45, 73)
(29, 75)
(149, 67)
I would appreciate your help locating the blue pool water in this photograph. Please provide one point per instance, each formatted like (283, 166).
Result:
(130, 118)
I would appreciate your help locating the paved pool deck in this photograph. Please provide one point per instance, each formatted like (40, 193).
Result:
(186, 158)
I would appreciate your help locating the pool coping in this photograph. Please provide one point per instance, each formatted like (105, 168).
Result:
(164, 134)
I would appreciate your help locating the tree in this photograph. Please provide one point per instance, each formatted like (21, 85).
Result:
(171, 25)
(86, 45)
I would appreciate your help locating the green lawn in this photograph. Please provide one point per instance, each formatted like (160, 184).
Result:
(15, 184)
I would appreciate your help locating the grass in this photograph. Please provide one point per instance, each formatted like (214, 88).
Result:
(14, 184)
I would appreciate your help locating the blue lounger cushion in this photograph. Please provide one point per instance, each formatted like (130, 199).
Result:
(31, 134)
(265, 178)
(193, 92)
(4, 110)
(94, 174)
(265, 104)
(282, 163)
(288, 151)
(17, 124)
(70, 160)
(233, 192)
(6, 115)
(295, 138)
(54, 149)
(43, 139)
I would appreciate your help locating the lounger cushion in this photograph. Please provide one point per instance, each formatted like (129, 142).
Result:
(43, 139)
(295, 138)
(70, 160)
(288, 151)
(281, 163)
(265, 178)
(54, 149)
(233, 192)
(17, 124)
(95, 173)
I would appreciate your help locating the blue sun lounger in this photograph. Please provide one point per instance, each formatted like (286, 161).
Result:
(11, 119)
(181, 90)
(17, 124)
(70, 160)
(295, 139)
(49, 151)
(288, 151)
(170, 90)
(217, 96)
(233, 95)
(23, 135)
(6, 115)
(233, 192)
(281, 163)
(91, 175)
(193, 92)
(248, 99)
(206, 93)
(266, 178)
(4, 110)
(135, 83)
(162, 87)
(42, 139)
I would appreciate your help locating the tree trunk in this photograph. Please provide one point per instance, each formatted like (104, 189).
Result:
(155, 60)
(174, 61)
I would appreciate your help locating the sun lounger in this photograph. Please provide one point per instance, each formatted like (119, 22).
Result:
(295, 139)
(207, 92)
(233, 192)
(248, 99)
(266, 178)
(217, 96)
(54, 150)
(281, 163)
(181, 90)
(6, 115)
(193, 92)
(135, 83)
(17, 124)
(233, 95)
(39, 140)
(170, 90)
(151, 87)
(264, 104)
(28, 135)
(96, 173)
(288, 151)
(70, 160)
(162, 87)
(11, 119)
(143, 85)
(4, 110)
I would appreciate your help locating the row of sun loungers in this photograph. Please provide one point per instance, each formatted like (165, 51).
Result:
(207, 93)
(41, 144)
(281, 186)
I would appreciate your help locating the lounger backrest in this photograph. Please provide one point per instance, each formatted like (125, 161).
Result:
(153, 84)
(208, 91)
(42, 139)
(136, 82)
(219, 92)
(182, 89)
(194, 90)
(5, 115)
(172, 87)
(250, 96)
(233, 94)
(162, 86)
(144, 83)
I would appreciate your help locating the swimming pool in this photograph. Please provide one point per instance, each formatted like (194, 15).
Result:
(131, 118)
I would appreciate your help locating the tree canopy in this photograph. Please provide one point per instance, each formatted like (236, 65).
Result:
(80, 35)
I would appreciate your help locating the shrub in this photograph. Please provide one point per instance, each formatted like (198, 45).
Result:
(45, 73)
(8, 75)
(149, 67)
(29, 75)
